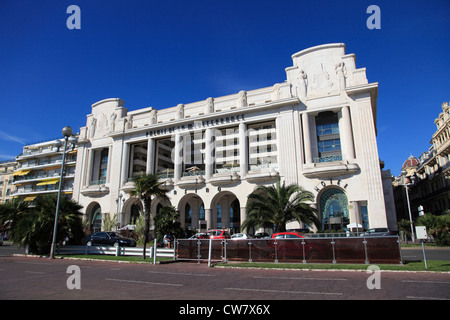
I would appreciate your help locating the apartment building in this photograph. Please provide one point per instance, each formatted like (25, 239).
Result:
(428, 176)
(39, 168)
(7, 169)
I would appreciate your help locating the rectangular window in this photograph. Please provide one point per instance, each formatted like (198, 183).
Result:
(164, 165)
(138, 160)
(194, 153)
(226, 149)
(328, 138)
(263, 152)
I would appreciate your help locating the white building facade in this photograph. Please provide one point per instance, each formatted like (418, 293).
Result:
(317, 129)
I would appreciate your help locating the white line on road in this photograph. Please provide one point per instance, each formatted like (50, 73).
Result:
(183, 274)
(285, 291)
(426, 281)
(301, 278)
(36, 272)
(145, 282)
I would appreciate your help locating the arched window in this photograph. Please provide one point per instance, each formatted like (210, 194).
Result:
(202, 212)
(188, 216)
(135, 212)
(96, 221)
(334, 209)
(235, 215)
(219, 216)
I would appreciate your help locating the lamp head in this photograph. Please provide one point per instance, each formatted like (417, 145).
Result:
(67, 131)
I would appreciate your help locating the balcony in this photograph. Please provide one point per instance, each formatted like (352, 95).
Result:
(329, 169)
(95, 188)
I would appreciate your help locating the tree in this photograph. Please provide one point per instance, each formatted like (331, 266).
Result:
(437, 226)
(279, 204)
(405, 226)
(32, 226)
(147, 186)
(167, 222)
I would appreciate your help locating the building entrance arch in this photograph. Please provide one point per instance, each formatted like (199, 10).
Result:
(226, 212)
(94, 217)
(192, 212)
(334, 210)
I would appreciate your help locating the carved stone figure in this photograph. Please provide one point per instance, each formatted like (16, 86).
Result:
(153, 117)
(92, 127)
(341, 74)
(209, 106)
(242, 99)
(180, 111)
(275, 92)
(302, 84)
(112, 122)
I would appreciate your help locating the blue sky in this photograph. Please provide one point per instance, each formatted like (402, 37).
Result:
(161, 53)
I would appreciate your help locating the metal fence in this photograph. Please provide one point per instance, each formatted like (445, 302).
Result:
(366, 250)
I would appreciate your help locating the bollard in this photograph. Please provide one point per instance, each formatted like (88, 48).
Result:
(154, 251)
(209, 252)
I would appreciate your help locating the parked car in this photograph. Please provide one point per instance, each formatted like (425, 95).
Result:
(287, 235)
(289, 248)
(218, 234)
(109, 239)
(239, 236)
(378, 232)
(200, 236)
(261, 235)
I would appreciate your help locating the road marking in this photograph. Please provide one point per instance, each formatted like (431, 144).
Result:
(115, 269)
(285, 291)
(183, 274)
(145, 282)
(301, 278)
(426, 298)
(426, 281)
(39, 263)
(36, 272)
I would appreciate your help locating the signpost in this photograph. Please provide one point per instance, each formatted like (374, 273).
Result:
(421, 233)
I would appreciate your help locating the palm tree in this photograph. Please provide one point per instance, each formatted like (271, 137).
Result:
(147, 186)
(33, 226)
(278, 205)
(167, 222)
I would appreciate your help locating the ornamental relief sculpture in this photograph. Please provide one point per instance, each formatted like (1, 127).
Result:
(321, 79)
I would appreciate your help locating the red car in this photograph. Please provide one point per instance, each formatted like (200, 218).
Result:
(218, 234)
(287, 235)
(289, 248)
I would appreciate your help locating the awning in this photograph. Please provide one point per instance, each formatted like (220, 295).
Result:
(30, 198)
(47, 182)
(21, 172)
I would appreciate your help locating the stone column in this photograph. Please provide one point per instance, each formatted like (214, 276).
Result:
(209, 218)
(209, 159)
(243, 150)
(243, 217)
(307, 138)
(347, 135)
(125, 163)
(178, 159)
(150, 156)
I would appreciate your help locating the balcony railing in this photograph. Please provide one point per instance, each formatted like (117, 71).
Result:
(328, 159)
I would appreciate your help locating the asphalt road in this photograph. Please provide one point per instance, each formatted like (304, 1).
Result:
(41, 278)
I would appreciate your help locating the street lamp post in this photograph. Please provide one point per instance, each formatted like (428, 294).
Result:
(409, 205)
(67, 132)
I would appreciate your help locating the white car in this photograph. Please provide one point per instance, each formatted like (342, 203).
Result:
(239, 236)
